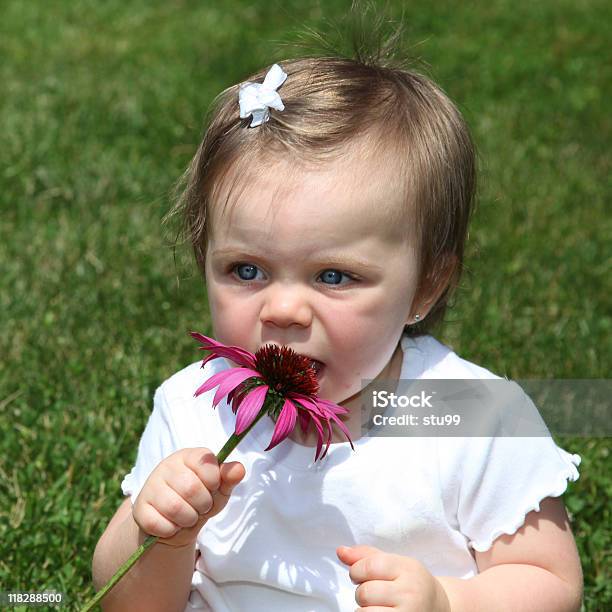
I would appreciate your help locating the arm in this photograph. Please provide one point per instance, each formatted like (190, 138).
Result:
(535, 569)
(161, 565)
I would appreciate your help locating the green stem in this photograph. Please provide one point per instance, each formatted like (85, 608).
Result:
(221, 456)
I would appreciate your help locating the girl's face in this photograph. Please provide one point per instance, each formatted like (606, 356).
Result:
(308, 259)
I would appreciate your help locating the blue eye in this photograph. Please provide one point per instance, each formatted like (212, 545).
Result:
(333, 276)
(250, 271)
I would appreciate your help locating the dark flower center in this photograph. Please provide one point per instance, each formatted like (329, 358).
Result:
(284, 370)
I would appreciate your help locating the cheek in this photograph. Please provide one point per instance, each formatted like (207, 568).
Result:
(361, 324)
(230, 320)
(365, 338)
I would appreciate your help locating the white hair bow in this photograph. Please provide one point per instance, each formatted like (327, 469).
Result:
(256, 98)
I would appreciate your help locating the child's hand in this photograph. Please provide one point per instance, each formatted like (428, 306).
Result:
(392, 581)
(182, 493)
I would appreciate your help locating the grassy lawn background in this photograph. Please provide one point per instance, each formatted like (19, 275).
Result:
(102, 108)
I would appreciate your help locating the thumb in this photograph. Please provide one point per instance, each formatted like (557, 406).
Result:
(231, 474)
(351, 554)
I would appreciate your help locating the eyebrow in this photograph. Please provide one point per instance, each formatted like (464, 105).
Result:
(342, 260)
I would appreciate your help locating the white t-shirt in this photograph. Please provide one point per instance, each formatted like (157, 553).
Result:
(430, 498)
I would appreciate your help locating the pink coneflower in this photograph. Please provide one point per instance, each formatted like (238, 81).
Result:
(275, 381)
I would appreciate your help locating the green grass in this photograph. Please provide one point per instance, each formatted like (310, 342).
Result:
(102, 108)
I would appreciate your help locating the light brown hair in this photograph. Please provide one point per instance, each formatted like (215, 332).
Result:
(330, 103)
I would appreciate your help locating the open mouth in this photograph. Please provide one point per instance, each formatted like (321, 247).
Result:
(318, 367)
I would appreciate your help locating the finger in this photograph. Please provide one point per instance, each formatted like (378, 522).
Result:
(173, 507)
(375, 609)
(153, 523)
(231, 474)
(380, 566)
(377, 593)
(192, 490)
(350, 554)
(203, 463)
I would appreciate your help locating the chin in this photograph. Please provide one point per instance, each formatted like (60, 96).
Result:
(339, 398)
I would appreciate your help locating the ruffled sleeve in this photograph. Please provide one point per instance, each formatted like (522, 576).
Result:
(157, 442)
(490, 484)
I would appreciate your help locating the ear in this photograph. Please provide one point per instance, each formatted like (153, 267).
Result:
(432, 289)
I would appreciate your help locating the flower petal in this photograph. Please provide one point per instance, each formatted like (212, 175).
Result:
(211, 383)
(304, 420)
(331, 406)
(250, 407)
(208, 358)
(226, 380)
(308, 403)
(233, 378)
(346, 432)
(329, 437)
(326, 411)
(315, 412)
(235, 396)
(319, 429)
(344, 429)
(285, 424)
(235, 353)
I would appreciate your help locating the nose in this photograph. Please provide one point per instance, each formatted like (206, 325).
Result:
(286, 305)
